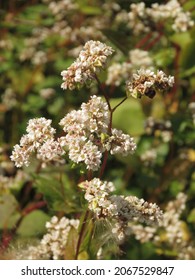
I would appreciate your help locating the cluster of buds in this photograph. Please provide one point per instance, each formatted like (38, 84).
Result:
(53, 243)
(88, 136)
(91, 59)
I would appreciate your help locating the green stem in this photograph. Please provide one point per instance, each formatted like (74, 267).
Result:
(81, 234)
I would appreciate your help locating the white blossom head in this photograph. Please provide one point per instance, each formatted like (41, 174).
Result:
(40, 139)
(97, 193)
(91, 59)
(131, 208)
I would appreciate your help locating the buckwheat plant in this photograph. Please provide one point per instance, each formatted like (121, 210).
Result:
(99, 215)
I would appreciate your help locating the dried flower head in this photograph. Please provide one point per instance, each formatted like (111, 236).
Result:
(146, 82)
(87, 134)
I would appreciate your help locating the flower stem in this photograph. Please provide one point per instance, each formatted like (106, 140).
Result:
(104, 93)
(103, 164)
(81, 234)
(119, 104)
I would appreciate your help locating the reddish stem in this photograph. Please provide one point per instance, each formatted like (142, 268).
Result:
(143, 41)
(37, 205)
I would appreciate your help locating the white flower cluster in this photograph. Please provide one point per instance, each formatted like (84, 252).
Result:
(87, 134)
(171, 10)
(53, 243)
(140, 17)
(149, 157)
(40, 138)
(47, 93)
(172, 223)
(143, 234)
(131, 208)
(7, 183)
(140, 58)
(119, 209)
(118, 72)
(120, 143)
(158, 128)
(97, 193)
(90, 60)
(171, 228)
(146, 82)
(136, 18)
(60, 8)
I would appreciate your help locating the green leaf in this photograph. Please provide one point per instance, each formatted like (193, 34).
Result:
(181, 39)
(9, 214)
(119, 39)
(58, 192)
(70, 248)
(56, 106)
(33, 224)
(128, 116)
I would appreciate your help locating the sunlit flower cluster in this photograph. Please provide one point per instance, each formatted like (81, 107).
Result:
(87, 134)
(171, 229)
(97, 193)
(60, 8)
(140, 17)
(122, 209)
(40, 138)
(146, 82)
(140, 58)
(136, 18)
(191, 108)
(131, 208)
(90, 60)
